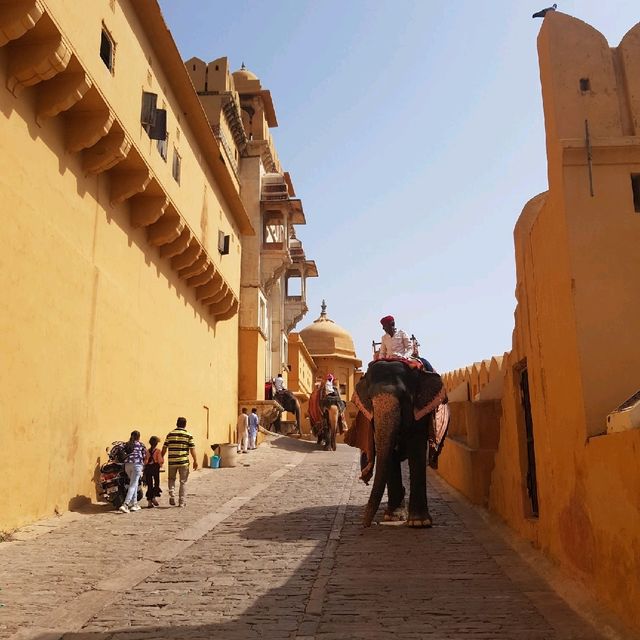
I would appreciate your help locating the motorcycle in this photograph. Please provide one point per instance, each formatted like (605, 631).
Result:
(114, 481)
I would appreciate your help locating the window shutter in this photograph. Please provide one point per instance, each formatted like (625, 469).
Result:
(158, 130)
(148, 114)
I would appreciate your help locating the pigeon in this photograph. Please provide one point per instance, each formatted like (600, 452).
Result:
(543, 12)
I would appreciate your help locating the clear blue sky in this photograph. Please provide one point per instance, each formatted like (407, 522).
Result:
(414, 134)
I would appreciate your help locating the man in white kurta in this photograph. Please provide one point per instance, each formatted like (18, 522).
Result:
(394, 342)
(242, 429)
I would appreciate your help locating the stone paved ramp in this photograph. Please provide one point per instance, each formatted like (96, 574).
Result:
(275, 550)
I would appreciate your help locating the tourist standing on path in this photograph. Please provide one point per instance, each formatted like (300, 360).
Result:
(152, 464)
(133, 466)
(242, 431)
(253, 427)
(180, 444)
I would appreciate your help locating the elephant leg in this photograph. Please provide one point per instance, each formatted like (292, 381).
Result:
(417, 450)
(387, 417)
(395, 492)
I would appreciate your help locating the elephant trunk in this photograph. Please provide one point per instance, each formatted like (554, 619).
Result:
(387, 417)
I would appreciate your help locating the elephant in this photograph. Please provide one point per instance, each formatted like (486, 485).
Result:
(289, 403)
(399, 399)
(326, 413)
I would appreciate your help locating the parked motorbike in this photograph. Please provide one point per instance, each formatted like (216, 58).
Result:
(114, 481)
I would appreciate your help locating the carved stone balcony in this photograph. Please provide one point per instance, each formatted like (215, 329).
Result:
(273, 263)
(295, 307)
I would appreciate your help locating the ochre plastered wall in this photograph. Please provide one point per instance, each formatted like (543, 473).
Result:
(578, 273)
(99, 335)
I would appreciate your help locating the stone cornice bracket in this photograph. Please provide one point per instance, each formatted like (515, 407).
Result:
(222, 305)
(167, 229)
(17, 17)
(107, 152)
(125, 184)
(145, 210)
(63, 91)
(37, 56)
(217, 296)
(210, 288)
(204, 277)
(178, 245)
(273, 265)
(129, 177)
(198, 267)
(229, 313)
(188, 256)
(87, 121)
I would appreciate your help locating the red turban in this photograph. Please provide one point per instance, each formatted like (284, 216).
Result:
(387, 320)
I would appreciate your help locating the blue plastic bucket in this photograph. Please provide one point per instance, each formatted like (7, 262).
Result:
(214, 462)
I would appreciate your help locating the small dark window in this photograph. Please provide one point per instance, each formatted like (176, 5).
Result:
(194, 67)
(585, 85)
(635, 187)
(163, 147)
(223, 243)
(107, 49)
(175, 168)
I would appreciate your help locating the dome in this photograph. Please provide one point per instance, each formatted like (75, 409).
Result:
(326, 338)
(244, 74)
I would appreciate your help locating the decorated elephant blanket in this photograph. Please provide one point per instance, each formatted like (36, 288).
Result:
(428, 398)
(429, 389)
(361, 436)
(318, 403)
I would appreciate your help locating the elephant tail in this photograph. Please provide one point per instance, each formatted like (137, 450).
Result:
(387, 414)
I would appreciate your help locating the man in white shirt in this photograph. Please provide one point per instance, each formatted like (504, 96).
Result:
(394, 342)
(278, 383)
(242, 429)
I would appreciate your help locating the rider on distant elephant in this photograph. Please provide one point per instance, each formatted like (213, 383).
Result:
(331, 394)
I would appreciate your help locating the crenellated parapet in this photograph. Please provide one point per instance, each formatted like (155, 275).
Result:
(477, 382)
(39, 56)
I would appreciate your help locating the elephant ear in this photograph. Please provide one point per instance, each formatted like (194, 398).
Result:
(430, 392)
(362, 397)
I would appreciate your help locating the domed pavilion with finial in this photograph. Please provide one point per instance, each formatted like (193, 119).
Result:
(332, 350)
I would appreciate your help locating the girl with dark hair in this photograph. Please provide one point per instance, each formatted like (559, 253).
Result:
(152, 463)
(133, 466)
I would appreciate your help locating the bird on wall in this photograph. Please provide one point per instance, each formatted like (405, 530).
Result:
(543, 12)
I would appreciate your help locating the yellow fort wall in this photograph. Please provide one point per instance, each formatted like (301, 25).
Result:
(578, 273)
(100, 334)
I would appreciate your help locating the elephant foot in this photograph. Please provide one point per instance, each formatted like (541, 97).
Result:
(423, 521)
(397, 515)
(369, 514)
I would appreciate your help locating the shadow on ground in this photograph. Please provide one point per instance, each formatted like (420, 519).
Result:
(387, 580)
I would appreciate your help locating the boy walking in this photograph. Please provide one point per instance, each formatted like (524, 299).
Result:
(180, 444)
(253, 428)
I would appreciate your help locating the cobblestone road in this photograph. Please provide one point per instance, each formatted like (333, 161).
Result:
(275, 549)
